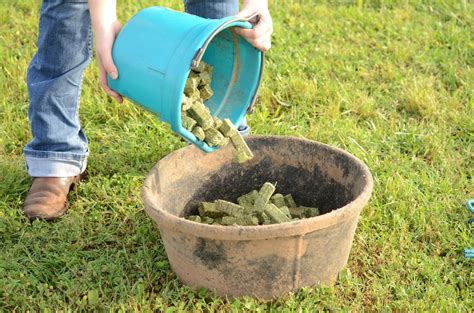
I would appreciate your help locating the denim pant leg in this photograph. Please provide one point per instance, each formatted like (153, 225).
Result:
(216, 9)
(54, 78)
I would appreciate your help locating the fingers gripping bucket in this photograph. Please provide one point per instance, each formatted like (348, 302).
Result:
(156, 49)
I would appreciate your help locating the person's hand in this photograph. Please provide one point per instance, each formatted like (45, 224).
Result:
(260, 35)
(105, 37)
(106, 27)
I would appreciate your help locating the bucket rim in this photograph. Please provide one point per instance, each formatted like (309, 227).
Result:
(213, 28)
(168, 221)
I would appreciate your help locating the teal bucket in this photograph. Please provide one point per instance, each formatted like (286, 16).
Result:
(155, 51)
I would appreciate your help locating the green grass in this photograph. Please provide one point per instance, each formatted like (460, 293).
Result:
(389, 81)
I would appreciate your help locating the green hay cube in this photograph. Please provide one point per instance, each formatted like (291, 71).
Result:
(224, 142)
(194, 218)
(290, 202)
(278, 199)
(309, 211)
(228, 220)
(242, 151)
(186, 102)
(191, 86)
(263, 218)
(275, 214)
(205, 78)
(217, 122)
(208, 68)
(201, 114)
(208, 220)
(213, 137)
(248, 200)
(193, 74)
(227, 128)
(187, 122)
(217, 221)
(247, 220)
(259, 204)
(297, 212)
(202, 66)
(209, 209)
(199, 133)
(285, 211)
(229, 208)
(206, 93)
(266, 191)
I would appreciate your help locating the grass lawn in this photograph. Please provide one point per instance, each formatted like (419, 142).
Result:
(390, 83)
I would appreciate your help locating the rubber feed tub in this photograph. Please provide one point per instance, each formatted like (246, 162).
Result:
(262, 261)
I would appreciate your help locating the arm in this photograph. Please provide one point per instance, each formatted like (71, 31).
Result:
(106, 27)
(260, 35)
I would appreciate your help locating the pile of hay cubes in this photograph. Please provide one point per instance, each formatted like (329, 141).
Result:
(261, 207)
(197, 118)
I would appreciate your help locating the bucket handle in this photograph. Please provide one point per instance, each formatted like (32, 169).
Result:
(251, 107)
(199, 54)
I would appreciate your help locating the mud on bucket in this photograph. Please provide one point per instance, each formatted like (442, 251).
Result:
(155, 51)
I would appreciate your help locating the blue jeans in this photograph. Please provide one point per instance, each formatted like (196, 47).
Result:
(59, 146)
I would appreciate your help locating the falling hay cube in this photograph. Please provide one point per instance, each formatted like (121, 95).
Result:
(227, 128)
(243, 152)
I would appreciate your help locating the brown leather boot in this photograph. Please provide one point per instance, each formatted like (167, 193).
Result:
(47, 198)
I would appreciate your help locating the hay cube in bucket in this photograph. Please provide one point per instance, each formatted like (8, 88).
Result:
(155, 51)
